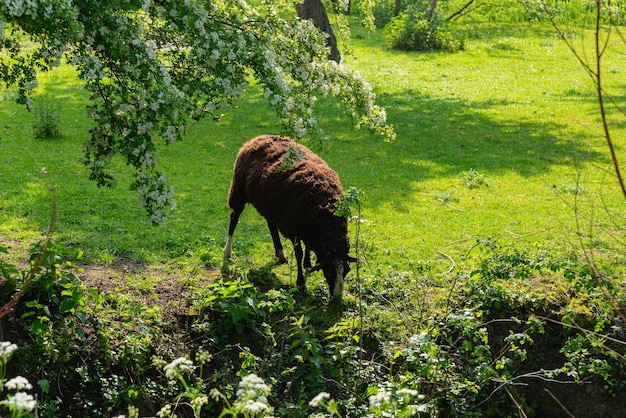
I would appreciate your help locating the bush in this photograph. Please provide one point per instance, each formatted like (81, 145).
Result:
(383, 13)
(411, 31)
(47, 122)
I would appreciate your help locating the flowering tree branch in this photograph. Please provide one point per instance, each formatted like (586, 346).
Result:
(153, 66)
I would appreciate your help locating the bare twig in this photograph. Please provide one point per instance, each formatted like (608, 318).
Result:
(579, 328)
(453, 264)
(600, 49)
(521, 412)
(443, 201)
(595, 73)
(463, 10)
(560, 404)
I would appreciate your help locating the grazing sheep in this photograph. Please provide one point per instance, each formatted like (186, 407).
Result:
(298, 200)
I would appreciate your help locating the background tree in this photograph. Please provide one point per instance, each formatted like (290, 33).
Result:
(151, 67)
(314, 10)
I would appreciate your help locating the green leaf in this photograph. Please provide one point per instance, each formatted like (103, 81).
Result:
(82, 316)
(44, 384)
(371, 390)
(67, 305)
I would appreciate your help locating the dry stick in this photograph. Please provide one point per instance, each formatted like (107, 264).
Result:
(502, 384)
(596, 77)
(605, 124)
(7, 308)
(359, 281)
(521, 412)
(560, 404)
(449, 205)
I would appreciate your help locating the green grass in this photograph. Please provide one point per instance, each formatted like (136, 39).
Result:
(514, 107)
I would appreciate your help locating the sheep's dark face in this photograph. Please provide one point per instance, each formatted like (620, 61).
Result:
(335, 271)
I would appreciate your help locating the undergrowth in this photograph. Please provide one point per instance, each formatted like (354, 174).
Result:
(309, 355)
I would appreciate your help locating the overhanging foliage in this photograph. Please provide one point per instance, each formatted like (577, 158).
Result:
(152, 67)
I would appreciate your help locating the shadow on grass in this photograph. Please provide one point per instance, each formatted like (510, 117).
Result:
(437, 139)
(442, 138)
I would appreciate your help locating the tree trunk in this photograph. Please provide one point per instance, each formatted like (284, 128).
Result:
(396, 9)
(314, 10)
(431, 10)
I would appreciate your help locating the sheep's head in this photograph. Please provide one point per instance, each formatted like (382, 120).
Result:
(335, 271)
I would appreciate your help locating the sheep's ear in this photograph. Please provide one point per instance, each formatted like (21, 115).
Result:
(316, 267)
(354, 260)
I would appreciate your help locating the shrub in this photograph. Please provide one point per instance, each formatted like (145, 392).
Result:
(47, 122)
(410, 31)
(383, 13)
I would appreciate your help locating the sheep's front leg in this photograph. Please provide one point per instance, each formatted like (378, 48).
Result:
(307, 259)
(228, 249)
(278, 246)
(297, 246)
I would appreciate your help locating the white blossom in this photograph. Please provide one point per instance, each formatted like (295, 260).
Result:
(379, 399)
(6, 350)
(252, 395)
(146, 93)
(298, 128)
(255, 407)
(199, 401)
(18, 383)
(251, 385)
(21, 402)
(178, 366)
(319, 399)
(412, 393)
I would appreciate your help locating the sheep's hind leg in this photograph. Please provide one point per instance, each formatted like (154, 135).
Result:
(228, 249)
(278, 246)
(297, 246)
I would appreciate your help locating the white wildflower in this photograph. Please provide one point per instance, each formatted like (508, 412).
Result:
(298, 128)
(198, 402)
(6, 350)
(18, 383)
(177, 367)
(252, 385)
(165, 412)
(20, 402)
(408, 392)
(142, 128)
(380, 399)
(170, 134)
(255, 407)
(319, 399)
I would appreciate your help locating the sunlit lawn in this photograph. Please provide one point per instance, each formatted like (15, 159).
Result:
(514, 110)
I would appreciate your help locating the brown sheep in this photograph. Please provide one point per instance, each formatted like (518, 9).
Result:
(298, 200)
